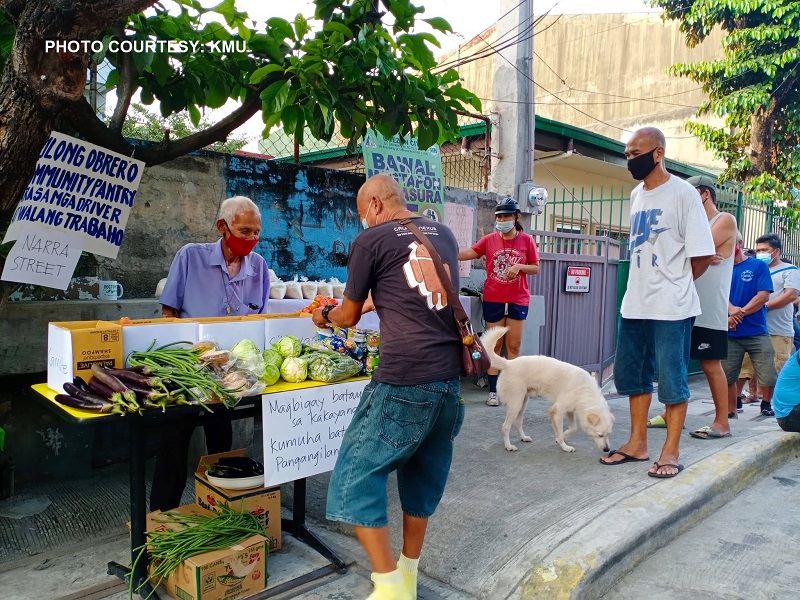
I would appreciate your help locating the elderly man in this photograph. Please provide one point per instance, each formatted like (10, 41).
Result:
(411, 411)
(209, 280)
(671, 245)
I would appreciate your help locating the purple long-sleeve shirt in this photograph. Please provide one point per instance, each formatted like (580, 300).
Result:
(198, 284)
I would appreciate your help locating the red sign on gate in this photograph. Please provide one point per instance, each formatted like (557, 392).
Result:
(578, 279)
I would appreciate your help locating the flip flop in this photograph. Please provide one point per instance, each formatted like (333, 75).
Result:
(626, 458)
(657, 422)
(665, 476)
(708, 433)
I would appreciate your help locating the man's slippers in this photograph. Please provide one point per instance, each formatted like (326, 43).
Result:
(626, 458)
(657, 422)
(658, 475)
(708, 433)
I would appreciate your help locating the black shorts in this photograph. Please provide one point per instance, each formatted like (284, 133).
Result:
(494, 312)
(709, 344)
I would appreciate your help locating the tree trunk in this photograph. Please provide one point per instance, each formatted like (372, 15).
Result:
(37, 85)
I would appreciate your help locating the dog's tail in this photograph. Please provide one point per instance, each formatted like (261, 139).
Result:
(489, 340)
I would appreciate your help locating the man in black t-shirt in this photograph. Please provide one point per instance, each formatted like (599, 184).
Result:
(411, 411)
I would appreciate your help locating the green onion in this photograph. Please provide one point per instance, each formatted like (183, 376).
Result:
(168, 549)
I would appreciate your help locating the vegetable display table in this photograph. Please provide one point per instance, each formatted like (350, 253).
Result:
(153, 418)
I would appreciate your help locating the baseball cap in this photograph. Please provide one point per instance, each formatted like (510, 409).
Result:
(703, 180)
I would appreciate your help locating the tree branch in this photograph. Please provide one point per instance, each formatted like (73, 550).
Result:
(13, 8)
(125, 87)
(85, 121)
(109, 12)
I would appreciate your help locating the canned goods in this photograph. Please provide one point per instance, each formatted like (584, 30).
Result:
(373, 340)
(371, 362)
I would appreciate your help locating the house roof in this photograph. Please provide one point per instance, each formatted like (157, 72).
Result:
(550, 136)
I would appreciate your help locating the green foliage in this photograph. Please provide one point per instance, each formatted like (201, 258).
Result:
(145, 125)
(341, 66)
(753, 88)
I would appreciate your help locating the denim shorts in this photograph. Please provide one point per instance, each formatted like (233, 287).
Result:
(405, 428)
(494, 312)
(646, 347)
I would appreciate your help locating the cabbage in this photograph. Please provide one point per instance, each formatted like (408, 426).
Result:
(247, 357)
(271, 374)
(288, 346)
(273, 357)
(294, 369)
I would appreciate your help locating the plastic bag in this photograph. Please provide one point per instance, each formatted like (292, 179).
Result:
(337, 288)
(325, 289)
(277, 290)
(293, 289)
(309, 288)
(248, 358)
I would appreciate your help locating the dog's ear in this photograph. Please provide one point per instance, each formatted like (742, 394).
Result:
(593, 419)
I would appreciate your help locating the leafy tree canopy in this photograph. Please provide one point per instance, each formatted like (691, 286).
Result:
(753, 88)
(343, 66)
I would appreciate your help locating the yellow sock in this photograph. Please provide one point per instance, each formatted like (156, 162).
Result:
(408, 567)
(389, 586)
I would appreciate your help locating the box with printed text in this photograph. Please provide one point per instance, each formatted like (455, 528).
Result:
(74, 346)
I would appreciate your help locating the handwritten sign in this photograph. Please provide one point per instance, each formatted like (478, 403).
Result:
(80, 188)
(43, 256)
(303, 429)
(418, 171)
(460, 220)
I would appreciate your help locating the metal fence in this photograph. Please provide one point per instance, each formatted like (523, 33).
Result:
(599, 211)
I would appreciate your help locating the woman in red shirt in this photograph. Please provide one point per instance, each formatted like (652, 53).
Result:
(511, 256)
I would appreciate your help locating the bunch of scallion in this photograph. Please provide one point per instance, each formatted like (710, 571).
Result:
(168, 549)
(181, 368)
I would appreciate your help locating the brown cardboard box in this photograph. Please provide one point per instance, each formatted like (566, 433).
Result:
(74, 346)
(263, 503)
(236, 572)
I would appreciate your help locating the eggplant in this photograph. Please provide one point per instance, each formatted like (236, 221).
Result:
(114, 384)
(79, 383)
(77, 392)
(236, 467)
(132, 379)
(73, 402)
(99, 388)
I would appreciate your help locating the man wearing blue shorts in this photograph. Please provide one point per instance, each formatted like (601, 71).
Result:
(411, 411)
(670, 246)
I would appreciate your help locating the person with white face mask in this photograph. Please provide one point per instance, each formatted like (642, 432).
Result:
(786, 284)
(511, 255)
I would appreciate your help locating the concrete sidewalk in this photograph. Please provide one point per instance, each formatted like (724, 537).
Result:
(537, 523)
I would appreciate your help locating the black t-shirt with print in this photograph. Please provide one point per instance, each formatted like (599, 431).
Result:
(419, 338)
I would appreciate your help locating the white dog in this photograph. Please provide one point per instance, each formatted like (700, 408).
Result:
(570, 390)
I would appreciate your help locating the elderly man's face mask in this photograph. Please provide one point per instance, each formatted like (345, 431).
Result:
(239, 246)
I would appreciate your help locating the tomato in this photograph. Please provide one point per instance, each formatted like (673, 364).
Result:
(318, 298)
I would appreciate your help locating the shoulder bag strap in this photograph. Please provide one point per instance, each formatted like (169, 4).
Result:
(452, 297)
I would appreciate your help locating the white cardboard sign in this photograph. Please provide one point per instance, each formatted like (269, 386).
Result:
(303, 429)
(43, 256)
(80, 188)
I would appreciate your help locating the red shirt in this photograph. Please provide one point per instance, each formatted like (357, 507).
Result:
(500, 255)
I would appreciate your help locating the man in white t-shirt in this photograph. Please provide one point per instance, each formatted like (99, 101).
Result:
(780, 310)
(670, 246)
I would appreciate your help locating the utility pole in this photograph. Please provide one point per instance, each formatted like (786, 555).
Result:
(526, 122)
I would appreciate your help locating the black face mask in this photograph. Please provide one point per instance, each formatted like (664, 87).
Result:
(641, 166)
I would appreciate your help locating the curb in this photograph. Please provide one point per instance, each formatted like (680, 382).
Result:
(589, 563)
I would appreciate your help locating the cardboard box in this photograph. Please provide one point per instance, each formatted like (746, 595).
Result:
(301, 327)
(263, 503)
(139, 336)
(236, 572)
(74, 346)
